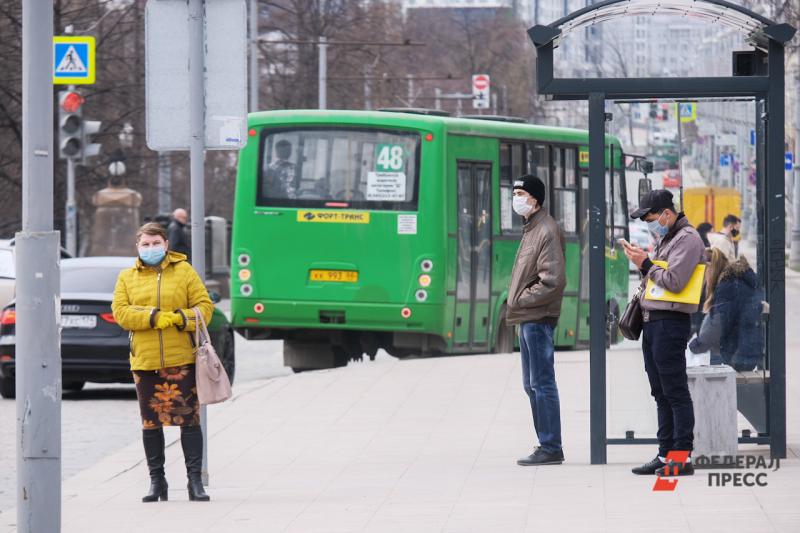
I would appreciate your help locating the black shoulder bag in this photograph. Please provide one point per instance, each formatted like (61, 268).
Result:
(630, 323)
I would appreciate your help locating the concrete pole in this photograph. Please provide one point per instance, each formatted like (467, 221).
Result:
(197, 142)
(494, 103)
(794, 253)
(164, 182)
(410, 79)
(437, 103)
(367, 87)
(254, 56)
(38, 361)
(70, 213)
(323, 73)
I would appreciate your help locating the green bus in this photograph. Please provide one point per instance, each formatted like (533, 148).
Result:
(360, 230)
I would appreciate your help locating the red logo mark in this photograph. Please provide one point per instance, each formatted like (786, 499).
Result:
(674, 458)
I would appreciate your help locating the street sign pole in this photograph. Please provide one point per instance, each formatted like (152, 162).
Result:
(197, 164)
(680, 152)
(38, 361)
(71, 210)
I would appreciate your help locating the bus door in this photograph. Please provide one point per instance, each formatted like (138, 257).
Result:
(473, 289)
(564, 208)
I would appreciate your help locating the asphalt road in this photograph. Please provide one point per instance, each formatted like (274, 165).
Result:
(102, 419)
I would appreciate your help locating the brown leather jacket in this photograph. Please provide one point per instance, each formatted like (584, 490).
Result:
(538, 279)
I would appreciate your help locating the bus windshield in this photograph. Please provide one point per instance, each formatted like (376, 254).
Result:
(357, 168)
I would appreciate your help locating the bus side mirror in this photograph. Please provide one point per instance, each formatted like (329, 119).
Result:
(645, 186)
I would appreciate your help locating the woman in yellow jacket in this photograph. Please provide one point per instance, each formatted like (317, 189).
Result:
(155, 300)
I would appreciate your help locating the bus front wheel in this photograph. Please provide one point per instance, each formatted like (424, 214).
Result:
(612, 323)
(504, 341)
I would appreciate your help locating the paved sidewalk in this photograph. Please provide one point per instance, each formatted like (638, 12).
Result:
(413, 446)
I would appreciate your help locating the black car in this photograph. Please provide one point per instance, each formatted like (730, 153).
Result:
(93, 346)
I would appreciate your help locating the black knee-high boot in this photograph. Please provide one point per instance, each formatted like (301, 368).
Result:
(153, 440)
(192, 443)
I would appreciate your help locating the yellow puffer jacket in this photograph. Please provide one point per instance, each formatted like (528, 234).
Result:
(141, 292)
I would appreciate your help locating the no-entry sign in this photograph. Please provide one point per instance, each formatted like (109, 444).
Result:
(480, 91)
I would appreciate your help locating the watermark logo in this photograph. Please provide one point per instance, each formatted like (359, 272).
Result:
(675, 460)
(666, 482)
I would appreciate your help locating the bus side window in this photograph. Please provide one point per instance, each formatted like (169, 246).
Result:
(512, 166)
(558, 168)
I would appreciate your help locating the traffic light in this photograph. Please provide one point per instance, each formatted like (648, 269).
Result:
(653, 110)
(90, 149)
(665, 114)
(70, 124)
(73, 131)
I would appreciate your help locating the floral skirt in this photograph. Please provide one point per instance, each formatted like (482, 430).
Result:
(167, 397)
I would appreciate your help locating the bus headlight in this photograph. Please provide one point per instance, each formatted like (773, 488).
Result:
(246, 289)
(405, 312)
(424, 280)
(426, 265)
(258, 308)
(244, 260)
(421, 295)
(244, 275)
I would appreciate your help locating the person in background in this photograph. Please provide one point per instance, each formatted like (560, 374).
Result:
(280, 173)
(697, 318)
(703, 230)
(178, 233)
(534, 302)
(732, 329)
(724, 239)
(667, 326)
(156, 301)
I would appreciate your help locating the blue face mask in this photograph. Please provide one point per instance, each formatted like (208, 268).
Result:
(655, 227)
(153, 255)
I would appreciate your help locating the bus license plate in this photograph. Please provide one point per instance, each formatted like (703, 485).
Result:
(346, 276)
(78, 321)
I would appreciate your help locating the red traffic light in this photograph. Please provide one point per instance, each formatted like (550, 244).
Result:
(71, 102)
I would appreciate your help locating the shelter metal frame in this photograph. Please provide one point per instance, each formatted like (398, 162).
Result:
(768, 38)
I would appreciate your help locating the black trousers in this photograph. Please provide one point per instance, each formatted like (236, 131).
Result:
(664, 346)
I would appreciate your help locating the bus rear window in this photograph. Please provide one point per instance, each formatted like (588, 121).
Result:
(353, 168)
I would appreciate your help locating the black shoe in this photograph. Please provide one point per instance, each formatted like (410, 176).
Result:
(648, 469)
(675, 469)
(192, 444)
(153, 440)
(541, 457)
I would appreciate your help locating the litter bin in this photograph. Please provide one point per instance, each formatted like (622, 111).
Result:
(713, 390)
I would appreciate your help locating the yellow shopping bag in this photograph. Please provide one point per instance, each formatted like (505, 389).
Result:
(690, 293)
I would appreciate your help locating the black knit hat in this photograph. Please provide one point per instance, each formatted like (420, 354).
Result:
(533, 186)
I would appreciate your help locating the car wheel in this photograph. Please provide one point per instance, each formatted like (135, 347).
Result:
(8, 388)
(228, 356)
(73, 386)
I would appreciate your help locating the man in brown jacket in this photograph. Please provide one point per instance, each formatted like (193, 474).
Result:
(534, 302)
(667, 326)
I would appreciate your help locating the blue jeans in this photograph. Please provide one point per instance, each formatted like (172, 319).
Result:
(539, 382)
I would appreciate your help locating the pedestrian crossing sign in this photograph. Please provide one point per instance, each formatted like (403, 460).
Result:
(73, 60)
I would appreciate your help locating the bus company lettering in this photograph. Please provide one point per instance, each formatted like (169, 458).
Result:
(335, 217)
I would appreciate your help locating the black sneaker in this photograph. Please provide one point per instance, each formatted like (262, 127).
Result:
(648, 469)
(541, 457)
(675, 469)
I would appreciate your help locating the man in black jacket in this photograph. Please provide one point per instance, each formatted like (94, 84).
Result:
(178, 235)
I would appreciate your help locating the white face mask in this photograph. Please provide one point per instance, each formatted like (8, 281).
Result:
(521, 206)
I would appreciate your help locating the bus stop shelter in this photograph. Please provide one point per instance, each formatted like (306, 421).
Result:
(758, 74)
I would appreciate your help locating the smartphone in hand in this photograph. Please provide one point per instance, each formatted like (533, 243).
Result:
(625, 243)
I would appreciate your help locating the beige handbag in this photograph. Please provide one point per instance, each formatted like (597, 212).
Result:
(213, 385)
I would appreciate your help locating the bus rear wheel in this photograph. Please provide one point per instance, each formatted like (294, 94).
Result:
(302, 355)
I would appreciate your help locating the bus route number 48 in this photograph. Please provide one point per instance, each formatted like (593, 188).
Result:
(390, 157)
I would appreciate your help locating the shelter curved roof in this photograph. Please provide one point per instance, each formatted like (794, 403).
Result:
(757, 28)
